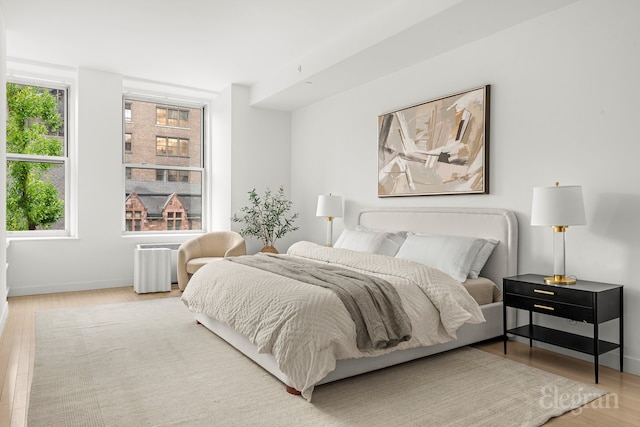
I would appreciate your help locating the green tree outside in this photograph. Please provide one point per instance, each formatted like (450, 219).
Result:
(32, 117)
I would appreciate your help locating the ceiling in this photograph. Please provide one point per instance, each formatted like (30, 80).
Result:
(290, 52)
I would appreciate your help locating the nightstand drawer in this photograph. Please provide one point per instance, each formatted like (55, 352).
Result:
(553, 308)
(551, 293)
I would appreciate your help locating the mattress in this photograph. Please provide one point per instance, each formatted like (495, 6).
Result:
(483, 290)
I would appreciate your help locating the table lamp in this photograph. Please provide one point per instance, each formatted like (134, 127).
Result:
(329, 207)
(558, 207)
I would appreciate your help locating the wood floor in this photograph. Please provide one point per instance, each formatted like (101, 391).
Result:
(17, 349)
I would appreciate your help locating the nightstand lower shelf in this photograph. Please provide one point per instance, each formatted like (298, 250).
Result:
(563, 339)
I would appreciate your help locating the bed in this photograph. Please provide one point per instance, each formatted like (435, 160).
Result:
(499, 225)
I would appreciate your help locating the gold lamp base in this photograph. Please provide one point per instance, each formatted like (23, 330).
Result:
(560, 280)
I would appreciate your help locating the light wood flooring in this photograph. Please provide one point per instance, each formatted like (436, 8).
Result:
(17, 350)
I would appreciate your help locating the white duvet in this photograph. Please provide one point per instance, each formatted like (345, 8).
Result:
(307, 328)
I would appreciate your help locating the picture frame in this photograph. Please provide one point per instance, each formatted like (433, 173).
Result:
(438, 147)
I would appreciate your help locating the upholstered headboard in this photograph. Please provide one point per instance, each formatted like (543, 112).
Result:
(486, 223)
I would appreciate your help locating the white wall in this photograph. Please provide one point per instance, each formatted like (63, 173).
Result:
(563, 107)
(4, 308)
(221, 160)
(260, 142)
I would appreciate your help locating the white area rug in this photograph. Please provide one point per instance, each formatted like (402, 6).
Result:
(148, 364)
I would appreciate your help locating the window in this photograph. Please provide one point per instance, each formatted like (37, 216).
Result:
(166, 116)
(127, 112)
(127, 142)
(174, 220)
(134, 220)
(172, 175)
(183, 119)
(164, 175)
(37, 157)
(168, 146)
(177, 176)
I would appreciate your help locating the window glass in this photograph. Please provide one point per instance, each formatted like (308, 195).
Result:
(184, 147)
(164, 173)
(160, 203)
(184, 118)
(172, 117)
(172, 146)
(127, 142)
(161, 146)
(36, 157)
(161, 116)
(127, 112)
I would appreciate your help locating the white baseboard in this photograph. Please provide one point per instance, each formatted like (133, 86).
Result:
(4, 313)
(631, 365)
(69, 287)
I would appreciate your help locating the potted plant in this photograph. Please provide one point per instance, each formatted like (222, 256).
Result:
(267, 218)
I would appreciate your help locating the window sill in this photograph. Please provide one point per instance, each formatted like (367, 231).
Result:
(180, 234)
(41, 237)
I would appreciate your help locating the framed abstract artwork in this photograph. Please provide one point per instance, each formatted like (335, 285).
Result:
(437, 147)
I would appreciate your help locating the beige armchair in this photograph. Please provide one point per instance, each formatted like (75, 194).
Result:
(201, 250)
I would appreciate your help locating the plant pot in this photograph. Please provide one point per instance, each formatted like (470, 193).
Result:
(269, 249)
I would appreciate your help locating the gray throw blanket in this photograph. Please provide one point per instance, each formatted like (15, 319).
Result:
(374, 305)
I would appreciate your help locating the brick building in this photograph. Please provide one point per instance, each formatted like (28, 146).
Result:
(163, 157)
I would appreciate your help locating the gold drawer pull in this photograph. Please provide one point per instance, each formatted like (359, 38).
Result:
(540, 291)
(546, 307)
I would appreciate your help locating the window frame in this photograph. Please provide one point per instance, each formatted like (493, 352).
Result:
(67, 159)
(164, 102)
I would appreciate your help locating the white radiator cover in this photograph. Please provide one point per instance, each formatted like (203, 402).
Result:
(154, 267)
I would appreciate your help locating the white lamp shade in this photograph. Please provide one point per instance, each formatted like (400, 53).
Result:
(558, 206)
(329, 206)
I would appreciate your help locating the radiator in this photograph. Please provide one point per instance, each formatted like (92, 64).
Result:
(154, 267)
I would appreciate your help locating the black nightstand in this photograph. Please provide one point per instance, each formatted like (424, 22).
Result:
(590, 302)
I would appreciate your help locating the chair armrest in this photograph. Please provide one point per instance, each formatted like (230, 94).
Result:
(187, 250)
(238, 249)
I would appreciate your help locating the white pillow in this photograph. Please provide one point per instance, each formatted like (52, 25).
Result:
(481, 258)
(391, 242)
(453, 255)
(361, 241)
(390, 245)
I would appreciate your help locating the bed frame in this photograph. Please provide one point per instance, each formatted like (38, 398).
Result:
(488, 223)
